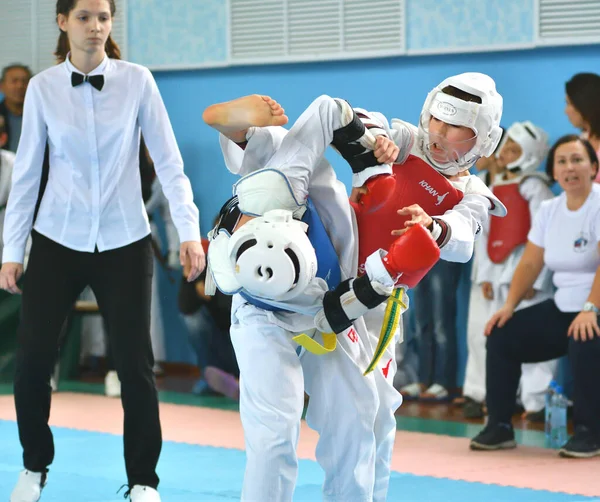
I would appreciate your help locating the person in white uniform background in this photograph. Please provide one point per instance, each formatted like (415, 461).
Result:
(91, 229)
(516, 181)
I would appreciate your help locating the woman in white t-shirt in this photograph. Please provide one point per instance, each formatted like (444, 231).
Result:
(565, 238)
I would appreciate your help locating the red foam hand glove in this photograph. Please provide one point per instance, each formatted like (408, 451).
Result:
(412, 255)
(379, 189)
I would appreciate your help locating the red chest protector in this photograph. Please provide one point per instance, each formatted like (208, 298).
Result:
(416, 183)
(509, 232)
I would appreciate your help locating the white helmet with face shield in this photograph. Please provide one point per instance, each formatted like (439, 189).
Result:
(482, 118)
(534, 146)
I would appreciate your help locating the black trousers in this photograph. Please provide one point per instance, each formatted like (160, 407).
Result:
(121, 280)
(537, 334)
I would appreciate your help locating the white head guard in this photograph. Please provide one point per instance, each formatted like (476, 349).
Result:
(483, 119)
(272, 256)
(534, 145)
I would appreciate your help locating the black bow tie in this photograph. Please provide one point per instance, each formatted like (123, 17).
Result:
(96, 80)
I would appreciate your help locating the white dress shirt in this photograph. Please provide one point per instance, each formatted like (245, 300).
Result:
(93, 197)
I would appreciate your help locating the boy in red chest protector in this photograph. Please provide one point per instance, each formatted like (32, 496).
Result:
(522, 189)
(458, 125)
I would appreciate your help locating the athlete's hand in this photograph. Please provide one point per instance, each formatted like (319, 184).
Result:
(418, 217)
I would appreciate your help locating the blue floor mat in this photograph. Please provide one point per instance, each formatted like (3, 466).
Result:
(89, 468)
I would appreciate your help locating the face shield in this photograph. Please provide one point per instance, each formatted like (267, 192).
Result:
(448, 156)
(483, 119)
(445, 153)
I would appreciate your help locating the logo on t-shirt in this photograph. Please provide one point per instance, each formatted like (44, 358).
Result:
(581, 243)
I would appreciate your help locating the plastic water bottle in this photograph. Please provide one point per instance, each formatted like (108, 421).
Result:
(558, 418)
(548, 410)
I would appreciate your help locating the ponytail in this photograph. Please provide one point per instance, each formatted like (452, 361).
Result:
(62, 47)
(112, 49)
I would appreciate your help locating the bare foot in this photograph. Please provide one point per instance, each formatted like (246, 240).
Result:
(234, 118)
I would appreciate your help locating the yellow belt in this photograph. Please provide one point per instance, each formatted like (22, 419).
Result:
(393, 312)
(314, 347)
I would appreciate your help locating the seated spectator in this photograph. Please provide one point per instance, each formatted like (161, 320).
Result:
(13, 84)
(564, 237)
(208, 319)
(583, 107)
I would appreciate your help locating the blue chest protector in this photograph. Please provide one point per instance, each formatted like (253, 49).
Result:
(328, 264)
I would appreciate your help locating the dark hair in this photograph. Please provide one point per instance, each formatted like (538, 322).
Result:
(14, 66)
(584, 93)
(64, 7)
(460, 94)
(569, 138)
